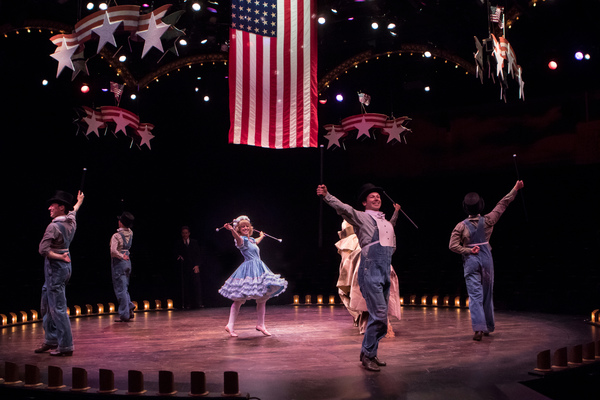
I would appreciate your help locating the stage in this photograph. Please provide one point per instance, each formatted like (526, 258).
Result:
(313, 353)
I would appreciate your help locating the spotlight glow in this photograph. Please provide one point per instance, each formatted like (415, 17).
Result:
(103, 6)
(579, 56)
(123, 58)
(196, 7)
(321, 20)
(375, 25)
(206, 98)
(133, 97)
(391, 25)
(552, 65)
(427, 54)
(85, 88)
(45, 82)
(339, 98)
(90, 6)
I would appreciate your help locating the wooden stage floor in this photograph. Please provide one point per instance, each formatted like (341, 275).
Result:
(313, 353)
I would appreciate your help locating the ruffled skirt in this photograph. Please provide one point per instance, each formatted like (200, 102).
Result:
(253, 280)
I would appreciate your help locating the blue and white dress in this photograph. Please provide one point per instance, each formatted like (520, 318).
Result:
(252, 279)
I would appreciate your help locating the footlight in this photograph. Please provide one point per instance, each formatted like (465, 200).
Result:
(331, 299)
(434, 300)
(146, 305)
(320, 299)
(89, 309)
(446, 301)
(158, 304)
(457, 301)
(23, 316)
(307, 299)
(594, 318)
(100, 308)
(169, 304)
(111, 307)
(296, 299)
(402, 301)
(34, 315)
(77, 310)
(424, 300)
(413, 299)
(4, 319)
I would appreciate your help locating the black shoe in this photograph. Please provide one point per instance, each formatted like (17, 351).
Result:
(370, 364)
(58, 353)
(478, 335)
(45, 347)
(375, 360)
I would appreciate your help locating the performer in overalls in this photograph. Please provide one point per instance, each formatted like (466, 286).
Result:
(470, 238)
(378, 241)
(54, 247)
(120, 243)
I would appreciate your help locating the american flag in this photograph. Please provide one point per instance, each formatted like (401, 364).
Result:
(117, 89)
(273, 73)
(496, 13)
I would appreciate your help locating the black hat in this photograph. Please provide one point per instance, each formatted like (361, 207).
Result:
(126, 219)
(473, 204)
(62, 198)
(367, 189)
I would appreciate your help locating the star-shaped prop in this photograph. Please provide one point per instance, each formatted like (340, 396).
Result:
(94, 122)
(152, 35)
(395, 128)
(106, 32)
(334, 134)
(145, 134)
(63, 55)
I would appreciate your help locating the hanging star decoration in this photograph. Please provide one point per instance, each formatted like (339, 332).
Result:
(152, 35)
(363, 123)
(105, 25)
(116, 120)
(496, 57)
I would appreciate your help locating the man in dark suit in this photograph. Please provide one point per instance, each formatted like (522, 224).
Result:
(188, 255)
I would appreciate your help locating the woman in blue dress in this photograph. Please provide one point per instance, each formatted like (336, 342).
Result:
(252, 279)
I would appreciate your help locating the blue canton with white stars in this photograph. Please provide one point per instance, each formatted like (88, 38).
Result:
(255, 16)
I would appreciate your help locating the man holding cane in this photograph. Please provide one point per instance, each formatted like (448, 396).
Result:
(378, 242)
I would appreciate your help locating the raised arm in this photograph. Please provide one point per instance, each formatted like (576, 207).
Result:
(80, 198)
(238, 239)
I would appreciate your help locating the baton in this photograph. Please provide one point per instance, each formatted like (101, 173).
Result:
(82, 180)
(272, 237)
(407, 217)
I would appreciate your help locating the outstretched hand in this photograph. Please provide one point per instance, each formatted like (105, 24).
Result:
(519, 185)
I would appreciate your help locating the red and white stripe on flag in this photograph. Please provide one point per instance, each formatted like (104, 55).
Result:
(273, 74)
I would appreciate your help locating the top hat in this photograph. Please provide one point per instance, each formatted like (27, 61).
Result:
(62, 198)
(473, 204)
(367, 189)
(126, 219)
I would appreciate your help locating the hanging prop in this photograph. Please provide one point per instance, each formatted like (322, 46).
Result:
(495, 57)
(104, 25)
(118, 119)
(392, 127)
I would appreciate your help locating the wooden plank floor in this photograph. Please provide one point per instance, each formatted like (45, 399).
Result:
(313, 353)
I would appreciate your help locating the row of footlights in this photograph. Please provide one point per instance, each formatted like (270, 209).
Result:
(135, 386)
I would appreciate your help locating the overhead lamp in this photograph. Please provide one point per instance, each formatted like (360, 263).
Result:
(196, 6)
(206, 98)
(391, 25)
(90, 6)
(375, 25)
(103, 6)
(339, 98)
(321, 20)
(204, 41)
(85, 88)
(123, 58)
(183, 42)
(333, 10)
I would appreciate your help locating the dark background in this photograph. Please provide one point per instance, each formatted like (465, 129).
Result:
(463, 139)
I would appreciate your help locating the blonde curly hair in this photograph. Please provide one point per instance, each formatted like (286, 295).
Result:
(242, 218)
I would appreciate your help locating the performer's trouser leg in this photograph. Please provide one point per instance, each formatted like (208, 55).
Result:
(120, 276)
(374, 281)
(56, 322)
(473, 274)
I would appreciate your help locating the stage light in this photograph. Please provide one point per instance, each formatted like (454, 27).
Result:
(183, 42)
(85, 88)
(4, 319)
(68, 311)
(413, 299)
(133, 97)
(333, 10)
(427, 88)
(23, 316)
(594, 318)
(427, 54)
(123, 58)
(44, 82)
(77, 310)
(339, 98)
(296, 299)
(587, 56)
(196, 6)
(375, 25)
(89, 309)
(196, 89)
(158, 305)
(552, 65)
(321, 20)
(434, 300)
(467, 302)
(34, 315)
(401, 301)
(331, 299)
(100, 308)
(13, 318)
(103, 6)
(111, 307)
(424, 300)
(206, 98)
(457, 301)
(446, 300)
(320, 299)
(579, 56)
(169, 304)
(391, 25)
(146, 305)
(90, 6)
(204, 41)
(307, 299)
